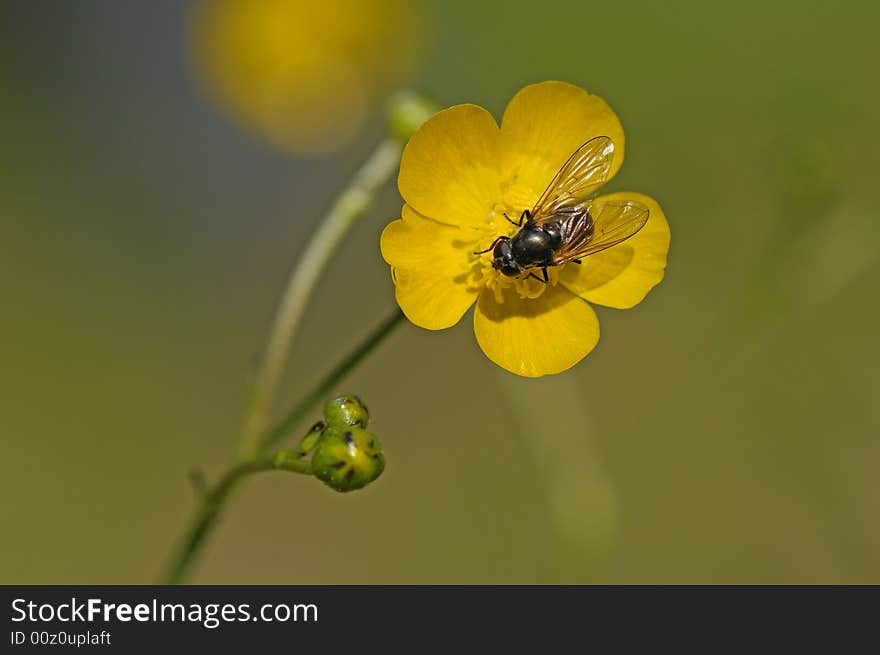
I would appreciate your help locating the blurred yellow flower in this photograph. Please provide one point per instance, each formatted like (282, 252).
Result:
(459, 174)
(302, 74)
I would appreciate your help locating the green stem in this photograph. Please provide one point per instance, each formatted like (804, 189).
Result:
(347, 208)
(407, 111)
(323, 388)
(217, 496)
(213, 501)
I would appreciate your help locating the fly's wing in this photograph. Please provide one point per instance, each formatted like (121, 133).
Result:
(582, 175)
(604, 223)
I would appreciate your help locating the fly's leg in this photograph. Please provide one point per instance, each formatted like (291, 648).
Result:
(524, 217)
(494, 243)
(576, 261)
(545, 278)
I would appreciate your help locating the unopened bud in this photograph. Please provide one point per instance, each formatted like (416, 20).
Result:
(346, 410)
(347, 458)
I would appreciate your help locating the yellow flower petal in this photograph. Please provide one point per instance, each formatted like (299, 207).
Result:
(542, 126)
(431, 269)
(449, 168)
(535, 337)
(622, 275)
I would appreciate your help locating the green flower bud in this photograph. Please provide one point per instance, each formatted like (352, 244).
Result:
(346, 410)
(406, 113)
(347, 458)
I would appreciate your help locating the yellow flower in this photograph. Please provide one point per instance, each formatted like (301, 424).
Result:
(459, 174)
(302, 74)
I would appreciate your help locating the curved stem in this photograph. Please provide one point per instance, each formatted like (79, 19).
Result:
(407, 111)
(301, 410)
(347, 208)
(213, 501)
(216, 497)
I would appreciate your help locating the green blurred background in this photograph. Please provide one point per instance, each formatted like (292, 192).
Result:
(725, 430)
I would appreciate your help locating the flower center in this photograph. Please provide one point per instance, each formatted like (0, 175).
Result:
(501, 221)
